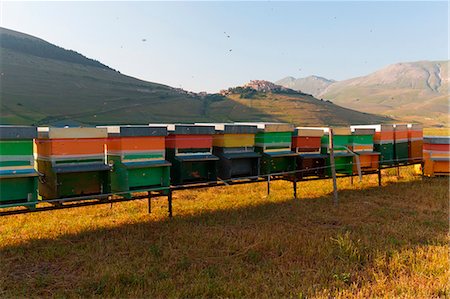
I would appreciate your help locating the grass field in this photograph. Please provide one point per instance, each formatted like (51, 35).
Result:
(237, 242)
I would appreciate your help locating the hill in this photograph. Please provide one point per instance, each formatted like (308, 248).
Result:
(295, 107)
(313, 85)
(414, 91)
(44, 84)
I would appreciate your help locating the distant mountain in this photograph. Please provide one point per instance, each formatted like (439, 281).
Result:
(44, 84)
(412, 91)
(311, 85)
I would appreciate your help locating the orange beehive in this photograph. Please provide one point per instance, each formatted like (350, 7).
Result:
(415, 142)
(436, 154)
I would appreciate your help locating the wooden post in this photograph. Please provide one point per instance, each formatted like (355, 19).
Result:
(149, 202)
(268, 185)
(169, 199)
(295, 187)
(379, 176)
(333, 166)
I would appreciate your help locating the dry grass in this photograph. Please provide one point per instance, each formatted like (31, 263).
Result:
(236, 242)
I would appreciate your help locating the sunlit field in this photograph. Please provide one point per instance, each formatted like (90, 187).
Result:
(236, 241)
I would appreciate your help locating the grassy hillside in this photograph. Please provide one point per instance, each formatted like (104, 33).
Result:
(412, 91)
(389, 242)
(417, 90)
(45, 84)
(303, 109)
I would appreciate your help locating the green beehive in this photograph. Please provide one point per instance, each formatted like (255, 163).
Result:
(383, 140)
(137, 157)
(18, 178)
(273, 141)
(189, 149)
(72, 161)
(401, 143)
(343, 158)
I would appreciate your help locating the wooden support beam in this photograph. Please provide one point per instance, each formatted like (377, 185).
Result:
(333, 166)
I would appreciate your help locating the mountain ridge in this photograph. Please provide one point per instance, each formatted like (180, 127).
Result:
(412, 91)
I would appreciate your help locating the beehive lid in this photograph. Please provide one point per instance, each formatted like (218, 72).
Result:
(418, 127)
(400, 127)
(363, 132)
(309, 131)
(342, 131)
(270, 127)
(378, 128)
(54, 133)
(18, 132)
(136, 131)
(436, 139)
(231, 128)
(239, 129)
(193, 130)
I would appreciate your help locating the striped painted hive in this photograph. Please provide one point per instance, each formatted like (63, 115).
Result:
(436, 154)
(362, 144)
(234, 145)
(415, 142)
(306, 142)
(401, 143)
(72, 161)
(137, 155)
(189, 149)
(18, 178)
(273, 141)
(383, 140)
(343, 158)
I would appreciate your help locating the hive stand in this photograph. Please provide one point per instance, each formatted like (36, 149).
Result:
(362, 144)
(342, 157)
(234, 145)
(436, 153)
(137, 157)
(306, 142)
(383, 140)
(273, 141)
(18, 178)
(189, 149)
(72, 161)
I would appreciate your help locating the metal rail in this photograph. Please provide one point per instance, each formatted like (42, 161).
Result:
(98, 199)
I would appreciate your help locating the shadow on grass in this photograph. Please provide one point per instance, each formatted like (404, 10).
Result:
(286, 248)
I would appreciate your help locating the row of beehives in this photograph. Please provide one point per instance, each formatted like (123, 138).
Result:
(73, 162)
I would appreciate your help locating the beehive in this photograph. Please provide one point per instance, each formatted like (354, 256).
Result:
(400, 143)
(343, 158)
(415, 143)
(189, 149)
(273, 141)
(234, 145)
(436, 154)
(383, 140)
(18, 178)
(137, 156)
(72, 161)
(362, 145)
(306, 142)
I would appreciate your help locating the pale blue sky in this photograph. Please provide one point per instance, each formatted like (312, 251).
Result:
(214, 45)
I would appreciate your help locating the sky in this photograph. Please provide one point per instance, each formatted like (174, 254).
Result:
(208, 46)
